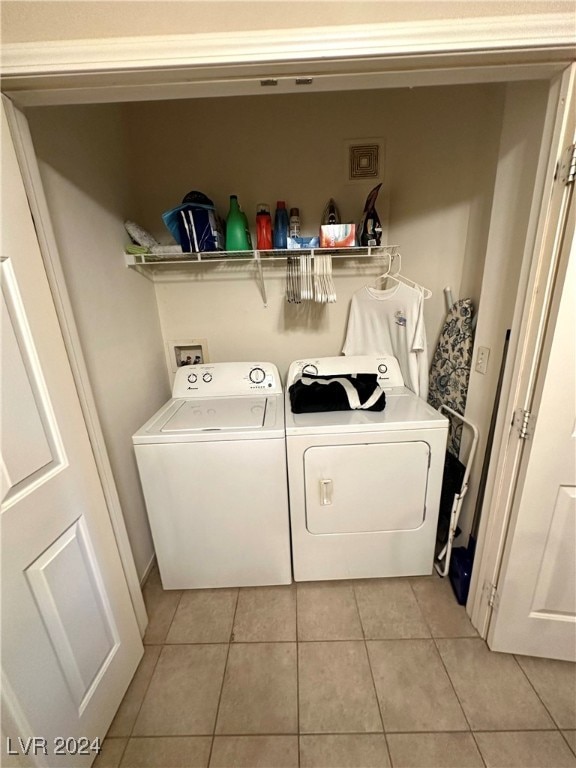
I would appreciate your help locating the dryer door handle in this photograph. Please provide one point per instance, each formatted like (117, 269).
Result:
(326, 487)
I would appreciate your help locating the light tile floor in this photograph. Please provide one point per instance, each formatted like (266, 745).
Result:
(360, 674)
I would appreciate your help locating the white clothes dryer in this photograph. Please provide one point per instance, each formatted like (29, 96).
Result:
(364, 485)
(212, 464)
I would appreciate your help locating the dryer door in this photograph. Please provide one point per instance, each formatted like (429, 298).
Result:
(366, 487)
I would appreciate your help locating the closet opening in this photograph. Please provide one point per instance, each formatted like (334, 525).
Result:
(458, 165)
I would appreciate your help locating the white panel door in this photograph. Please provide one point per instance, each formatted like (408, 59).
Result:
(535, 612)
(70, 640)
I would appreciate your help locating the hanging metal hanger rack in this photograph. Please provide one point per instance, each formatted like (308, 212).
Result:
(309, 278)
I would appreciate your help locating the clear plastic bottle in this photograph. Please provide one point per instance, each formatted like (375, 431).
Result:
(281, 225)
(236, 239)
(294, 222)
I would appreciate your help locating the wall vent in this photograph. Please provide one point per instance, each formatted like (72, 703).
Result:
(363, 161)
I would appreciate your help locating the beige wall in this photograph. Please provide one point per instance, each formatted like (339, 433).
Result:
(517, 161)
(83, 167)
(441, 150)
(36, 20)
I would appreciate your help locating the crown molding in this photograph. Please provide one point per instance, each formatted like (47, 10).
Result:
(555, 33)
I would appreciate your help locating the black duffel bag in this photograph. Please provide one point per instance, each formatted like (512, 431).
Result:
(344, 392)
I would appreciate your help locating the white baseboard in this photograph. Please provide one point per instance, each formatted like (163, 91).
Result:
(147, 570)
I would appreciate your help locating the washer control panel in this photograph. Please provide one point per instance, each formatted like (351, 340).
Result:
(226, 380)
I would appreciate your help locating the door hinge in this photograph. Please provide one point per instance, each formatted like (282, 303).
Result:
(524, 422)
(493, 597)
(567, 166)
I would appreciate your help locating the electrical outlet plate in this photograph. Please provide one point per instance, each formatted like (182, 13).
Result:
(482, 359)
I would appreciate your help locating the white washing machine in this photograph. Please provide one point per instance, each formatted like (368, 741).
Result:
(212, 464)
(364, 486)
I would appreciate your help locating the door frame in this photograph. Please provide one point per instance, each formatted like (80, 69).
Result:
(433, 52)
(563, 243)
(393, 55)
(532, 319)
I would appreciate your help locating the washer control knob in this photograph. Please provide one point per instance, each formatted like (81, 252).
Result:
(207, 377)
(192, 378)
(383, 368)
(310, 369)
(257, 375)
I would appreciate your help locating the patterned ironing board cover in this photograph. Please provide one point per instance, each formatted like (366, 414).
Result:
(450, 370)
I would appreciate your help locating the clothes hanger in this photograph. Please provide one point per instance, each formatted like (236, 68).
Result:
(398, 277)
(386, 274)
(426, 292)
(330, 288)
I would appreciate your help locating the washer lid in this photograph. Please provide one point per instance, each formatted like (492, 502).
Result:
(183, 420)
(216, 414)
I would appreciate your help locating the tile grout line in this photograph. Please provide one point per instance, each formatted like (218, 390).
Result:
(123, 752)
(572, 749)
(145, 692)
(458, 697)
(434, 635)
(330, 733)
(422, 614)
(173, 617)
(550, 715)
(230, 635)
(434, 640)
(130, 735)
(372, 675)
(232, 734)
(297, 669)
(328, 640)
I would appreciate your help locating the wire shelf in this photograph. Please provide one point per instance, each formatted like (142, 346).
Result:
(168, 265)
(169, 257)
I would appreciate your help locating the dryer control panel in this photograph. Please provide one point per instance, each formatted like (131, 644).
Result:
(386, 367)
(226, 380)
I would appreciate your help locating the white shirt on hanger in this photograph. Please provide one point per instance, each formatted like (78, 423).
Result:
(391, 322)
